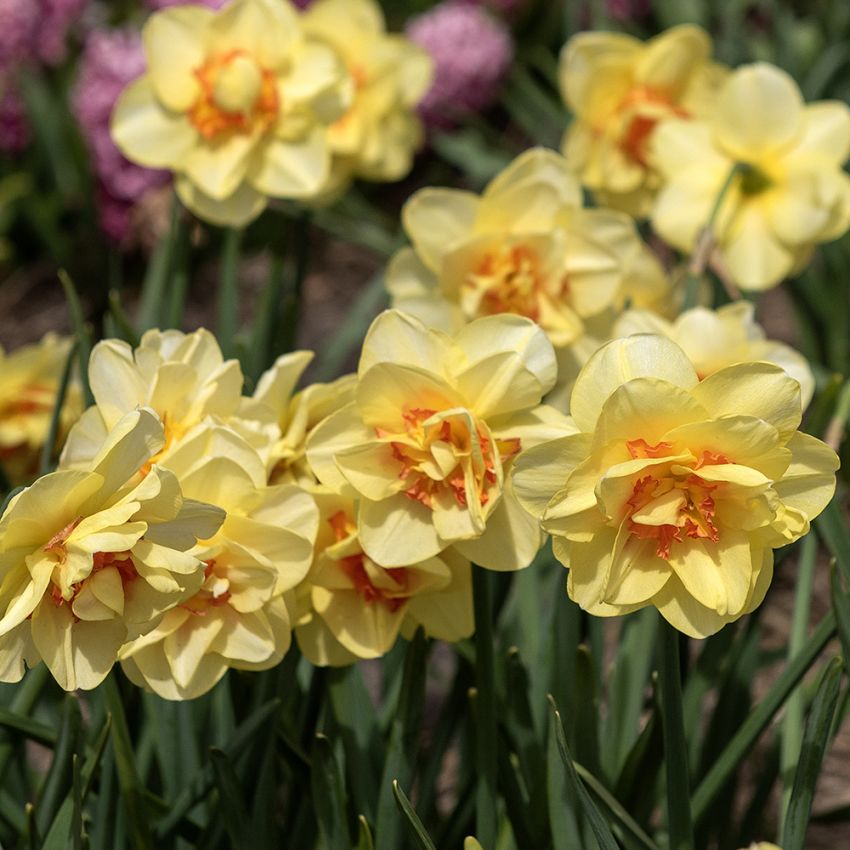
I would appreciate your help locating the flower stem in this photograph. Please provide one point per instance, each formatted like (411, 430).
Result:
(486, 825)
(228, 291)
(679, 822)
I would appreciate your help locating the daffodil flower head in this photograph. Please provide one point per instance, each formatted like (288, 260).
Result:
(525, 246)
(435, 424)
(239, 616)
(380, 132)
(350, 607)
(91, 558)
(29, 383)
(619, 88)
(183, 377)
(236, 103)
(714, 339)
(676, 490)
(787, 190)
(293, 414)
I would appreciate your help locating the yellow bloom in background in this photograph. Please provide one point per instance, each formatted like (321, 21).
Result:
(380, 132)
(790, 192)
(525, 246)
(295, 415)
(618, 89)
(183, 377)
(29, 384)
(91, 558)
(350, 607)
(676, 490)
(714, 339)
(239, 616)
(434, 427)
(236, 103)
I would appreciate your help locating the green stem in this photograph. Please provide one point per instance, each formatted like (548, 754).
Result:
(792, 723)
(486, 825)
(679, 823)
(742, 743)
(228, 291)
(705, 243)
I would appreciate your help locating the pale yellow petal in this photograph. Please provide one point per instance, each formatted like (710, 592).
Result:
(438, 219)
(237, 210)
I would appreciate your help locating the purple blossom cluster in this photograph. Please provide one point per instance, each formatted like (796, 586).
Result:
(472, 52)
(111, 60)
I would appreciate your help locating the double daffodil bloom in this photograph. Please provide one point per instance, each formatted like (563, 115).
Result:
(714, 339)
(275, 404)
(618, 89)
(434, 427)
(350, 607)
(92, 558)
(29, 383)
(183, 377)
(788, 191)
(379, 134)
(239, 616)
(676, 490)
(525, 246)
(236, 103)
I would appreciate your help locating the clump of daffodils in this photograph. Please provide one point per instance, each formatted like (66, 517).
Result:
(92, 558)
(377, 136)
(619, 89)
(236, 103)
(766, 165)
(675, 490)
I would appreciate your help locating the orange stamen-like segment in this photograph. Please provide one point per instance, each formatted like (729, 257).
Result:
(213, 122)
(635, 140)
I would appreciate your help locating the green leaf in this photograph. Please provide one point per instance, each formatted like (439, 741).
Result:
(833, 531)
(122, 321)
(231, 806)
(82, 332)
(46, 461)
(131, 787)
(228, 290)
(563, 804)
(328, 795)
(815, 740)
(598, 824)
(417, 829)
(742, 743)
(355, 715)
(154, 295)
(841, 607)
(59, 777)
(35, 730)
(364, 840)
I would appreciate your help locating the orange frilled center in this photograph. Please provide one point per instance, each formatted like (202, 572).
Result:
(214, 592)
(687, 501)
(448, 457)
(641, 110)
(511, 280)
(236, 96)
(353, 568)
(120, 561)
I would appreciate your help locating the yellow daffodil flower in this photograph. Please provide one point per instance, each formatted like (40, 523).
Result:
(714, 339)
(239, 616)
(789, 192)
(525, 246)
(183, 377)
(379, 134)
(29, 383)
(618, 89)
(294, 414)
(236, 103)
(350, 607)
(426, 444)
(676, 490)
(91, 558)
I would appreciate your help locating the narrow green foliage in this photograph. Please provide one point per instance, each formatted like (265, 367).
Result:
(815, 740)
(59, 777)
(598, 824)
(841, 607)
(417, 829)
(228, 290)
(154, 296)
(364, 835)
(230, 804)
(46, 462)
(82, 332)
